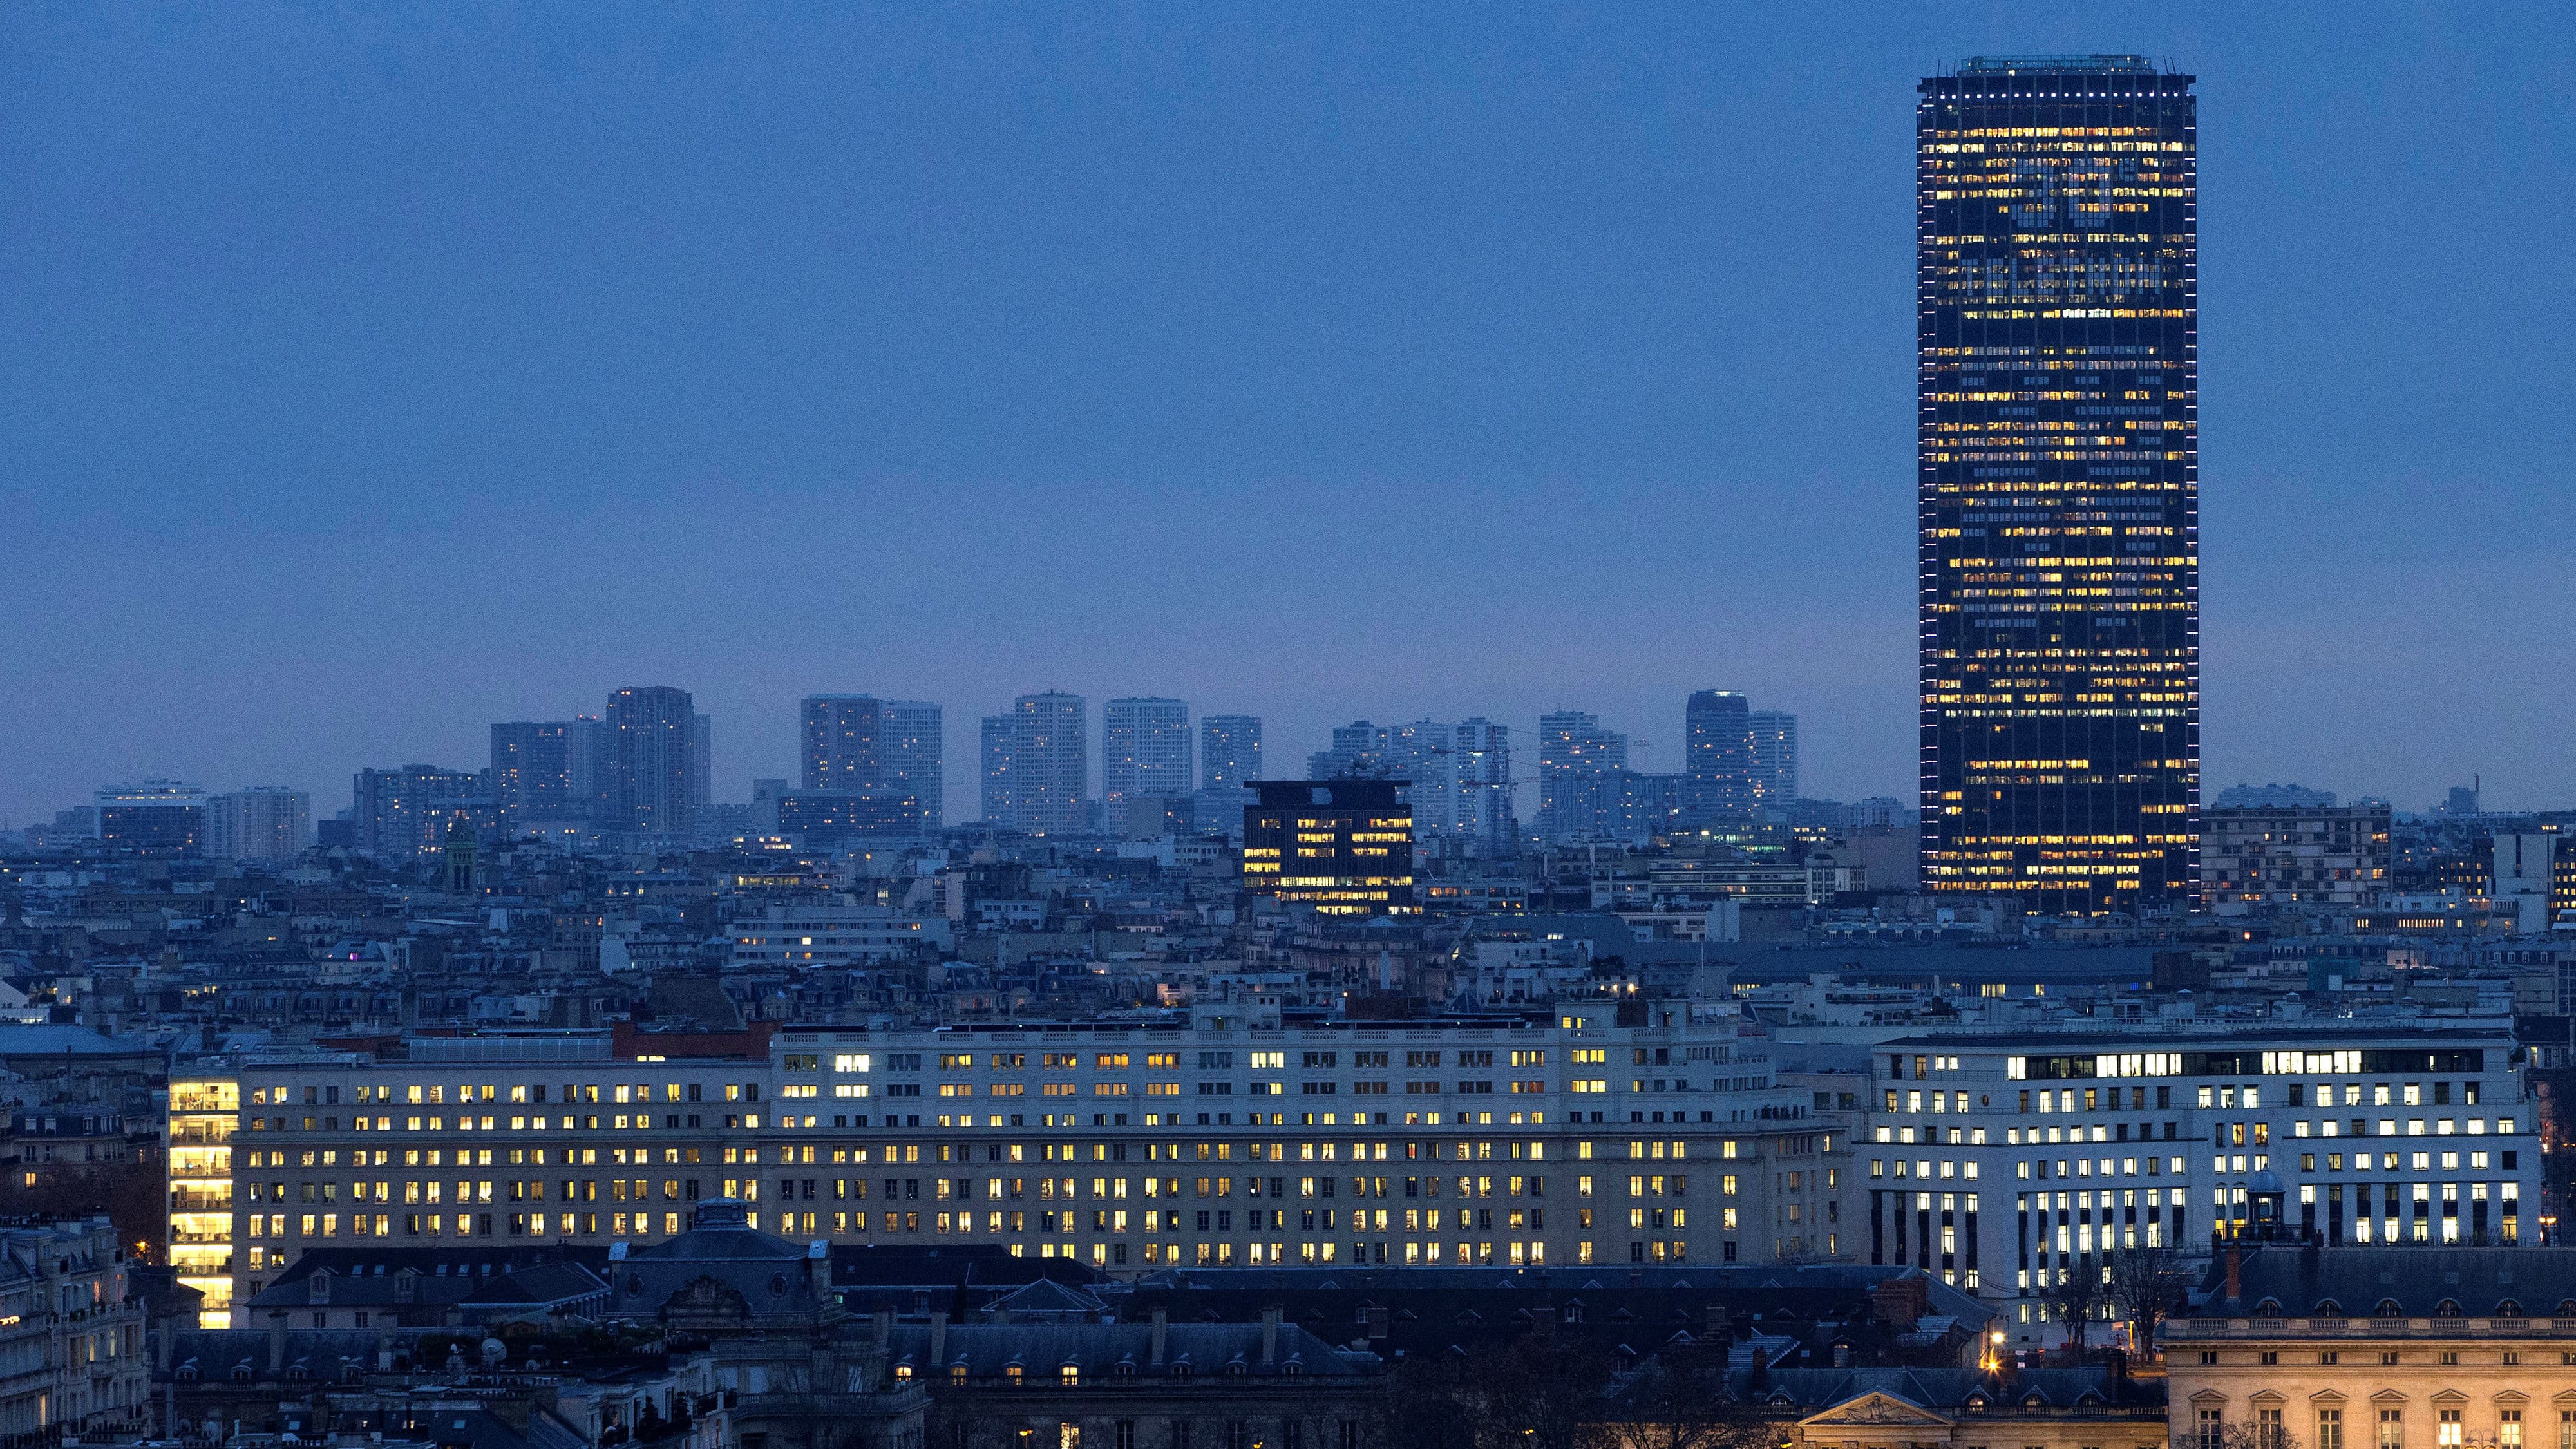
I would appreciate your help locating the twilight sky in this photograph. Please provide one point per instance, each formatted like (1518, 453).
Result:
(368, 374)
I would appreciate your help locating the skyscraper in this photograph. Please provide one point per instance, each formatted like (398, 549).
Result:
(1481, 773)
(654, 748)
(1144, 751)
(589, 761)
(2057, 307)
(912, 756)
(702, 766)
(1049, 764)
(1579, 765)
(1229, 751)
(1771, 760)
(1717, 758)
(861, 742)
(839, 736)
(532, 768)
(1461, 790)
(999, 808)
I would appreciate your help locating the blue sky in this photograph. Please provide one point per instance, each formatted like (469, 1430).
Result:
(371, 373)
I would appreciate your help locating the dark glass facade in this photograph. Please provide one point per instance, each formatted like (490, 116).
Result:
(1343, 846)
(2057, 324)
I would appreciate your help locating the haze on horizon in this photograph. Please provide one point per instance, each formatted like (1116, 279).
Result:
(373, 376)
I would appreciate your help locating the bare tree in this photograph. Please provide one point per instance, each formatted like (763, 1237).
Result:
(2147, 1284)
(1679, 1400)
(1536, 1394)
(2075, 1299)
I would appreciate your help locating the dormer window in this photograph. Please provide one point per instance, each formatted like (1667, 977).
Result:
(1070, 1375)
(2447, 1308)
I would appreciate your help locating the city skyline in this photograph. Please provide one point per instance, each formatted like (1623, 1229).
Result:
(1656, 405)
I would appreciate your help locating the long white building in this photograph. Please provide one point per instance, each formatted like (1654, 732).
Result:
(2002, 1161)
(1232, 1139)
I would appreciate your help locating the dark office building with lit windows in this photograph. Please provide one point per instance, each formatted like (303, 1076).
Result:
(2057, 314)
(1344, 847)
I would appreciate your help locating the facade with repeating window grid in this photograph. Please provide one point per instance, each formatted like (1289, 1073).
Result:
(1504, 1141)
(2381, 1349)
(2002, 1162)
(2057, 315)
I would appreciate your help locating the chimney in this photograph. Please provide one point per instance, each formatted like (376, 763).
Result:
(818, 1271)
(277, 1341)
(1270, 1334)
(2235, 1270)
(1162, 1333)
(885, 1329)
(938, 1338)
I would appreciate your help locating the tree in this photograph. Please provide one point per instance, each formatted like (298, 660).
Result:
(1679, 1400)
(2147, 1283)
(1536, 1394)
(2075, 1299)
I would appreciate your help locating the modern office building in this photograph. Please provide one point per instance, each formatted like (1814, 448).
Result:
(860, 742)
(203, 1236)
(263, 822)
(532, 775)
(2257, 858)
(1234, 1139)
(1579, 766)
(1342, 846)
(1046, 761)
(2058, 366)
(1144, 753)
(1717, 759)
(154, 817)
(1772, 760)
(2000, 1162)
(404, 815)
(655, 749)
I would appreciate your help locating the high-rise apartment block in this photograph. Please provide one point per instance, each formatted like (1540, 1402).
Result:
(532, 769)
(1580, 768)
(1229, 759)
(264, 822)
(1771, 760)
(1717, 758)
(155, 817)
(1462, 785)
(1037, 765)
(657, 747)
(403, 815)
(2258, 857)
(1229, 750)
(912, 756)
(589, 761)
(2058, 364)
(995, 775)
(1144, 753)
(889, 747)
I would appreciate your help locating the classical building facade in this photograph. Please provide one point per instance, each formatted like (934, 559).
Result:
(2378, 1349)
